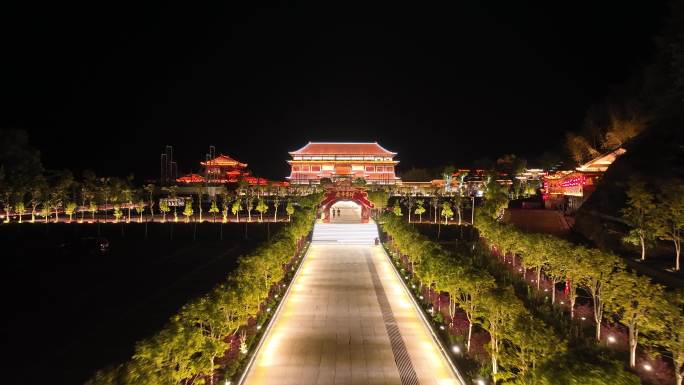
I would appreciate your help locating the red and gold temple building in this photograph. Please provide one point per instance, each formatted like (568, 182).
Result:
(223, 169)
(569, 189)
(342, 161)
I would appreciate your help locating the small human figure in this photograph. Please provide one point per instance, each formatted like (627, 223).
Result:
(333, 213)
(338, 212)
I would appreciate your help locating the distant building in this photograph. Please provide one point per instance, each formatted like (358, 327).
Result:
(569, 189)
(342, 161)
(168, 170)
(222, 170)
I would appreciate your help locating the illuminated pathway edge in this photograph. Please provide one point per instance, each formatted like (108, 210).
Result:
(349, 320)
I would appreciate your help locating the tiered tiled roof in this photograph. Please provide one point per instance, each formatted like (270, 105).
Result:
(329, 148)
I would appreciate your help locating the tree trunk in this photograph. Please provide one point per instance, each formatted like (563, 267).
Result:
(643, 247)
(678, 251)
(553, 291)
(572, 302)
(538, 277)
(470, 333)
(633, 338)
(495, 366)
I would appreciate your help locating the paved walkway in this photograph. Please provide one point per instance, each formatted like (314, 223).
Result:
(348, 320)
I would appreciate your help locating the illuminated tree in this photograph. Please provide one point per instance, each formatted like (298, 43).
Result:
(261, 207)
(638, 303)
(276, 203)
(397, 209)
(420, 209)
(224, 211)
(36, 193)
(599, 270)
(92, 207)
(200, 191)
(236, 207)
(60, 183)
(20, 209)
(500, 309)
(69, 210)
(214, 209)
(530, 344)
(447, 212)
(249, 202)
(379, 198)
(435, 205)
(458, 203)
(117, 213)
(466, 288)
(188, 211)
(408, 201)
(149, 189)
(639, 215)
(669, 218)
(289, 209)
(164, 208)
(671, 336)
(140, 209)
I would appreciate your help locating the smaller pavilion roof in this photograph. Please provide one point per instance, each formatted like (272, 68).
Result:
(342, 148)
(191, 178)
(223, 160)
(601, 162)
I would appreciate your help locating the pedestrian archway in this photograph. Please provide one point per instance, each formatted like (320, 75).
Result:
(345, 212)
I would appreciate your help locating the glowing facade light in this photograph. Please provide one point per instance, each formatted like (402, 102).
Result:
(648, 367)
(456, 349)
(480, 382)
(258, 327)
(611, 339)
(584, 318)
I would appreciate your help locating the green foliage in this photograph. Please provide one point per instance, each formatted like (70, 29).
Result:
(189, 345)
(447, 212)
(396, 210)
(669, 222)
(289, 209)
(640, 215)
(261, 207)
(214, 207)
(188, 211)
(358, 182)
(420, 208)
(379, 199)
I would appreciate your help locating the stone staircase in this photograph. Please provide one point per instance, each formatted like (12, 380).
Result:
(345, 233)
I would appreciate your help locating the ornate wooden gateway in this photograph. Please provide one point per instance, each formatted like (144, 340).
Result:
(344, 191)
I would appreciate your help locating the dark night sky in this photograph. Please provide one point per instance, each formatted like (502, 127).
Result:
(107, 86)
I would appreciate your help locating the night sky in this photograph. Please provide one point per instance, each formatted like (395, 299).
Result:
(106, 86)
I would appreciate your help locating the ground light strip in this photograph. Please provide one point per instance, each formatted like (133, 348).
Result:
(272, 320)
(435, 338)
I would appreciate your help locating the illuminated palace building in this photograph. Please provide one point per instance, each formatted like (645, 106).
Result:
(343, 161)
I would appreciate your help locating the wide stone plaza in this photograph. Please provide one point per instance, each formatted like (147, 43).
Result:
(348, 319)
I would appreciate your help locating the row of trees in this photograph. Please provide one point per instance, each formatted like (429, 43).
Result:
(653, 216)
(651, 315)
(188, 348)
(522, 348)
